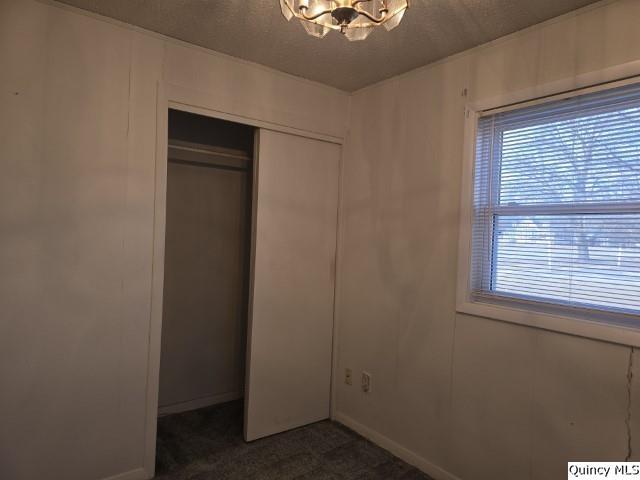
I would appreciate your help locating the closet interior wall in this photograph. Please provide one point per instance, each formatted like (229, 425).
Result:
(206, 262)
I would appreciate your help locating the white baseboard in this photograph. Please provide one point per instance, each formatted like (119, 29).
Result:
(398, 450)
(137, 474)
(198, 403)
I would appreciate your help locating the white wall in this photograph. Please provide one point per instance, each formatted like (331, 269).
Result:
(77, 151)
(461, 396)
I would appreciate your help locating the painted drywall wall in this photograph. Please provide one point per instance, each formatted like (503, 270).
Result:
(77, 150)
(467, 397)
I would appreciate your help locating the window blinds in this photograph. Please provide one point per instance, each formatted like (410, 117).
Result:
(557, 203)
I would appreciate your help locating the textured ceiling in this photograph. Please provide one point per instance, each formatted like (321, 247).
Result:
(255, 30)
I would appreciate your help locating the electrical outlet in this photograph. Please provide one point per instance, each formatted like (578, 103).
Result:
(348, 377)
(366, 382)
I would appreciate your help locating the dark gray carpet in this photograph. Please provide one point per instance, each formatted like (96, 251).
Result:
(207, 444)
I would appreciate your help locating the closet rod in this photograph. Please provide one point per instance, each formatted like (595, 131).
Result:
(208, 165)
(209, 156)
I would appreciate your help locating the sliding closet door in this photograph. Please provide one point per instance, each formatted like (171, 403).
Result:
(291, 307)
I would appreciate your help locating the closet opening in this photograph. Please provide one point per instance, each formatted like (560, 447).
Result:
(206, 267)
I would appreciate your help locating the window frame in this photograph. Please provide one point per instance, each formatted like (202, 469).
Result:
(613, 327)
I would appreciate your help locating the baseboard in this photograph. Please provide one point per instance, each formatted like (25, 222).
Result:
(398, 450)
(137, 474)
(198, 403)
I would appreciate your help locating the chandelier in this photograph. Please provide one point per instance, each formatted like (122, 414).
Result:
(355, 19)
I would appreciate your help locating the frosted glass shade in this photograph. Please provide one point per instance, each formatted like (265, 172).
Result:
(356, 34)
(394, 21)
(315, 29)
(287, 9)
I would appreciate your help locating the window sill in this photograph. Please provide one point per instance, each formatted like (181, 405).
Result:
(596, 330)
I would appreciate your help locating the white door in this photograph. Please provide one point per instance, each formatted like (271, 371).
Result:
(291, 305)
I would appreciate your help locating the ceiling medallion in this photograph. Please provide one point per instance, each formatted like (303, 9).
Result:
(355, 19)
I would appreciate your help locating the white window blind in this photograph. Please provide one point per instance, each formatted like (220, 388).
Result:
(557, 204)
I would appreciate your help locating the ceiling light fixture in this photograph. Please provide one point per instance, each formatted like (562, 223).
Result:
(355, 19)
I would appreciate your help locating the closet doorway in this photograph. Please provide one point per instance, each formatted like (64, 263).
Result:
(207, 256)
(245, 246)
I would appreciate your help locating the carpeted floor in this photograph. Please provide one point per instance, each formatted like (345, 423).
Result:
(207, 444)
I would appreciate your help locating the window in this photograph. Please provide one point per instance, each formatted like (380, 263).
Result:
(556, 205)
